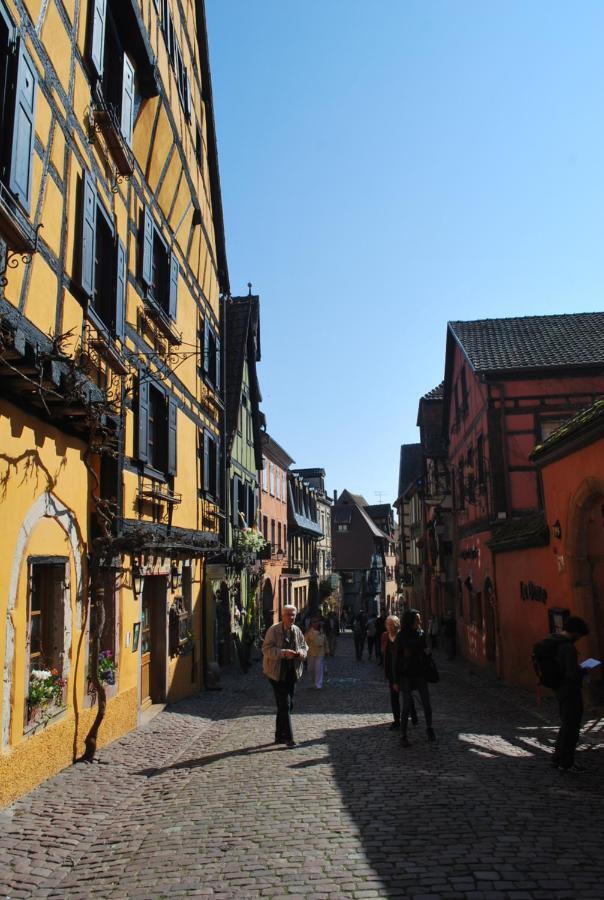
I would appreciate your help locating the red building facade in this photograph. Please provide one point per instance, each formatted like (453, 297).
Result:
(509, 383)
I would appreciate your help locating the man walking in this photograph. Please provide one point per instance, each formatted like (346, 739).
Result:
(570, 698)
(283, 653)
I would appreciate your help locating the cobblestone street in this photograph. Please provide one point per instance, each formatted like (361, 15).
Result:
(199, 802)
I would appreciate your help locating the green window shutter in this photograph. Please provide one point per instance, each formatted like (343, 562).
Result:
(127, 119)
(147, 248)
(143, 419)
(120, 290)
(172, 434)
(88, 233)
(173, 301)
(23, 127)
(97, 34)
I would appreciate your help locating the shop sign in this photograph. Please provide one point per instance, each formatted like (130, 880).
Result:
(530, 591)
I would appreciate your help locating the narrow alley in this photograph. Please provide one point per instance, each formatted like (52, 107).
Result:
(199, 802)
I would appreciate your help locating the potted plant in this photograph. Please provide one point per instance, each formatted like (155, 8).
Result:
(107, 667)
(45, 692)
(247, 543)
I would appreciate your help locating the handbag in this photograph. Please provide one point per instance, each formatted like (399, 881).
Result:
(430, 671)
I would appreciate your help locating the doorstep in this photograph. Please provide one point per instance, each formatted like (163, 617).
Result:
(150, 712)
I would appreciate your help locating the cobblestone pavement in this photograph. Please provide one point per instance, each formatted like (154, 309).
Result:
(198, 802)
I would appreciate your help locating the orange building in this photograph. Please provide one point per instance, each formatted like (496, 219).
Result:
(273, 524)
(538, 586)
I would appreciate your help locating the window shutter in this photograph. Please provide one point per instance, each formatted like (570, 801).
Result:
(206, 462)
(143, 419)
(174, 270)
(127, 122)
(97, 41)
(187, 96)
(206, 347)
(217, 491)
(88, 233)
(218, 366)
(23, 127)
(147, 249)
(120, 290)
(235, 510)
(172, 430)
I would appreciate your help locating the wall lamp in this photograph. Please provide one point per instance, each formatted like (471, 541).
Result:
(175, 576)
(557, 529)
(138, 580)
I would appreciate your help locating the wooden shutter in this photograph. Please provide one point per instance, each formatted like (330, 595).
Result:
(120, 290)
(187, 94)
(217, 491)
(143, 419)
(206, 347)
(88, 233)
(206, 462)
(235, 510)
(127, 122)
(173, 302)
(218, 366)
(147, 248)
(97, 36)
(172, 433)
(23, 127)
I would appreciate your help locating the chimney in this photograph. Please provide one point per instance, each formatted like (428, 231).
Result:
(335, 496)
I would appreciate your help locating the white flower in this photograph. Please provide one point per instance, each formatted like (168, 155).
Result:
(40, 675)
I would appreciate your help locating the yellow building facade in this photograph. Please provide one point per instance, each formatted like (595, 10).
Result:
(112, 278)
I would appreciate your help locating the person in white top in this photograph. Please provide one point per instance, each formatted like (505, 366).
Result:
(317, 649)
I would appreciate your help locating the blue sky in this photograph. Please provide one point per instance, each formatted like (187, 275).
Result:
(388, 166)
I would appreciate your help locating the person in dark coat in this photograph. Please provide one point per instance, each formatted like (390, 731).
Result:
(359, 631)
(569, 694)
(410, 671)
(388, 651)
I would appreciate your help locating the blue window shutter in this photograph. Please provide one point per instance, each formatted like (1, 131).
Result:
(174, 270)
(88, 233)
(206, 461)
(147, 248)
(23, 127)
(127, 121)
(172, 434)
(97, 35)
(235, 510)
(206, 347)
(217, 492)
(120, 290)
(143, 419)
(218, 366)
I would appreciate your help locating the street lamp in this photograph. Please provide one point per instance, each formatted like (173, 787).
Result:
(138, 579)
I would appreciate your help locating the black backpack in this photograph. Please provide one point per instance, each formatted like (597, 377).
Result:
(546, 663)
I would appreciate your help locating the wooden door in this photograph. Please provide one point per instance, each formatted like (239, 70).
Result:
(146, 651)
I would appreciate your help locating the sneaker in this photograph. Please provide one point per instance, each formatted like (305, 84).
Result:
(430, 733)
(575, 769)
(395, 726)
(291, 744)
(405, 741)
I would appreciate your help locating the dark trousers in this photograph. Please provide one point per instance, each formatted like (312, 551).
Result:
(371, 643)
(359, 643)
(570, 703)
(395, 703)
(284, 695)
(378, 648)
(407, 687)
(451, 646)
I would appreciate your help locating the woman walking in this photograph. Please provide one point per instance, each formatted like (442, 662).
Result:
(317, 648)
(410, 671)
(388, 651)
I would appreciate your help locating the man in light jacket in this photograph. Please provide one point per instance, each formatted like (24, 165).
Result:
(283, 652)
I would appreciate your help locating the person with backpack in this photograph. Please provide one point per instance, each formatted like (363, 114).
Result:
(410, 663)
(556, 663)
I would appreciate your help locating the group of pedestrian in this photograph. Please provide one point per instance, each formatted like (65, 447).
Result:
(368, 629)
(405, 652)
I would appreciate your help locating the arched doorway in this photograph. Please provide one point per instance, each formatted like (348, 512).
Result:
(267, 603)
(586, 562)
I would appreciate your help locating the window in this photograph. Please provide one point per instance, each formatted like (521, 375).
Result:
(271, 479)
(273, 545)
(176, 60)
(18, 89)
(47, 588)
(249, 428)
(108, 635)
(157, 426)
(548, 426)
(210, 465)
(476, 608)
(102, 262)
(112, 66)
(265, 527)
(198, 147)
(471, 474)
(461, 488)
(285, 537)
(159, 268)
(211, 365)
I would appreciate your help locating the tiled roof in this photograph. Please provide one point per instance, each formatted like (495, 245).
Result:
(591, 418)
(532, 342)
(515, 534)
(436, 393)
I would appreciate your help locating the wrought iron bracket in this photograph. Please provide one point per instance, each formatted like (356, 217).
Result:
(12, 258)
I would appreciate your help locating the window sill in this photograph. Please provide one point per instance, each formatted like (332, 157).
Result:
(157, 492)
(103, 121)
(15, 227)
(159, 317)
(40, 720)
(104, 344)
